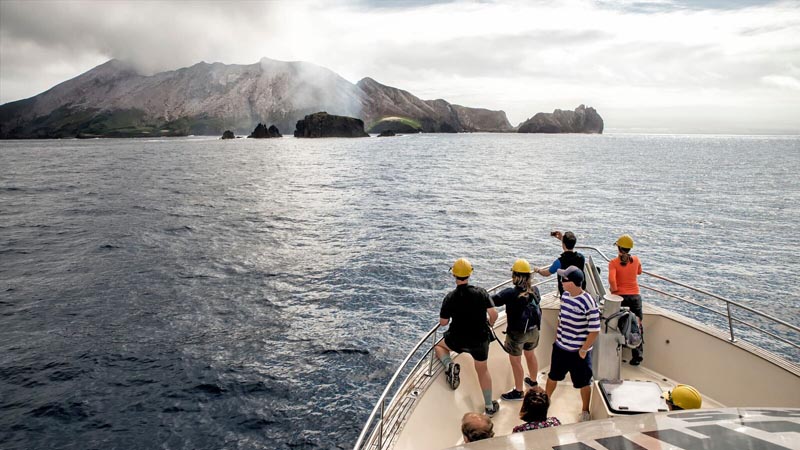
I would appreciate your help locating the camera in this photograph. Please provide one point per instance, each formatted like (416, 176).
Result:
(554, 233)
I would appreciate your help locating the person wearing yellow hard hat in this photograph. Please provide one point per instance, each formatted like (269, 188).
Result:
(623, 273)
(683, 397)
(466, 309)
(524, 318)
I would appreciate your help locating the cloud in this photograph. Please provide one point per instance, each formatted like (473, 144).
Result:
(523, 57)
(782, 81)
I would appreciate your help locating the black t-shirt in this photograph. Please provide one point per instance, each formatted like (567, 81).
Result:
(570, 258)
(515, 307)
(466, 305)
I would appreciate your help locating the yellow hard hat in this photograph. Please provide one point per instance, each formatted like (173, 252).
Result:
(625, 241)
(521, 266)
(461, 268)
(685, 397)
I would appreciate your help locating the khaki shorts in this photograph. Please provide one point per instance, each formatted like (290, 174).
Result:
(517, 341)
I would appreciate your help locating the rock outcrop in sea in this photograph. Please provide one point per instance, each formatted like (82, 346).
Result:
(262, 132)
(228, 134)
(387, 133)
(322, 124)
(582, 120)
(396, 124)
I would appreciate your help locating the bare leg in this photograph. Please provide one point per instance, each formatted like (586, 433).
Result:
(533, 364)
(442, 352)
(551, 386)
(516, 368)
(484, 377)
(441, 349)
(586, 395)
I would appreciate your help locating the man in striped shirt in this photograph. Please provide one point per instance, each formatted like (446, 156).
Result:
(578, 327)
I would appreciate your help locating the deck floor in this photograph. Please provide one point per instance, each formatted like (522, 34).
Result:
(413, 413)
(566, 401)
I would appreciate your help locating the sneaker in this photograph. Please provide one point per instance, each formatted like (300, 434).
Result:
(636, 361)
(495, 408)
(531, 383)
(513, 395)
(585, 416)
(452, 375)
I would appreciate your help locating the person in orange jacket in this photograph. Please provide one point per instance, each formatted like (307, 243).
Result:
(623, 272)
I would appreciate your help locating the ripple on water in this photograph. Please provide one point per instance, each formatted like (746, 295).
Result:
(186, 295)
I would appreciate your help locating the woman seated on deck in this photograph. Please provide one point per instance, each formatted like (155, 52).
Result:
(534, 411)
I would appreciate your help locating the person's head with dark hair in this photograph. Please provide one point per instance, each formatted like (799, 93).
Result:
(476, 426)
(569, 240)
(534, 405)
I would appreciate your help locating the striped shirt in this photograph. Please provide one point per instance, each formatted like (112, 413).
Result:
(578, 317)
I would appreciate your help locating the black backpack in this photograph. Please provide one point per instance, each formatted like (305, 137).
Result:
(629, 327)
(532, 312)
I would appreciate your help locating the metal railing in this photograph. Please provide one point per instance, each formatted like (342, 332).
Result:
(379, 409)
(728, 303)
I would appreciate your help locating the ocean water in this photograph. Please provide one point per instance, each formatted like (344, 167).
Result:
(205, 294)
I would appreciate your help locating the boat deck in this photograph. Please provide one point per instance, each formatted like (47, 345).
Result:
(426, 406)
(566, 401)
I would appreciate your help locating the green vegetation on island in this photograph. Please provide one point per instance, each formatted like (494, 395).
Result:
(396, 124)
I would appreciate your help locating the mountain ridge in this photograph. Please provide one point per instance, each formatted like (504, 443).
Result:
(114, 100)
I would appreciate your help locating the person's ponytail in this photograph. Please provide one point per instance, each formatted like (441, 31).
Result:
(624, 256)
(522, 281)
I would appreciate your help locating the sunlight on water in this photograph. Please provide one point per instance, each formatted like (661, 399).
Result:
(196, 293)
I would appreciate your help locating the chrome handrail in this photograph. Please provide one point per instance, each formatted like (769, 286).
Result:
(728, 302)
(382, 399)
(379, 405)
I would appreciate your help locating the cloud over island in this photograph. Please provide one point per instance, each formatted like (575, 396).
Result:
(672, 66)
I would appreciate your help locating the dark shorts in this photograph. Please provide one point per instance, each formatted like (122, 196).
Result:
(517, 341)
(563, 362)
(479, 352)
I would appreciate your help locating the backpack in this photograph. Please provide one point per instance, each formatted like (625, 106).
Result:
(532, 312)
(629, 327)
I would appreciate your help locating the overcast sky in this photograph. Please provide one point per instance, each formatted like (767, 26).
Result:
(656, 66)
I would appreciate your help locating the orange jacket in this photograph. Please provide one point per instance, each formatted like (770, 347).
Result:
(622, 279)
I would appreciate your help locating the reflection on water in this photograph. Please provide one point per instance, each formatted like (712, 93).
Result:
(198, 293)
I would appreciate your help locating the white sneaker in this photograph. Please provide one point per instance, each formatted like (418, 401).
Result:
(585, 416)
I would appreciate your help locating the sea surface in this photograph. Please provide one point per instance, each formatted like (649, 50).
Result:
(258, 294)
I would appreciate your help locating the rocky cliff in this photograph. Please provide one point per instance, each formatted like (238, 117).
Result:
(479, 119)
(113, 99)
(322, 124)
(582, 120)
(385, 103)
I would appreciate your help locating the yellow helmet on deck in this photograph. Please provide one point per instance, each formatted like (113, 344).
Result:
(625, 241)
(685, 397)
(461, 268)
(521, 266)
